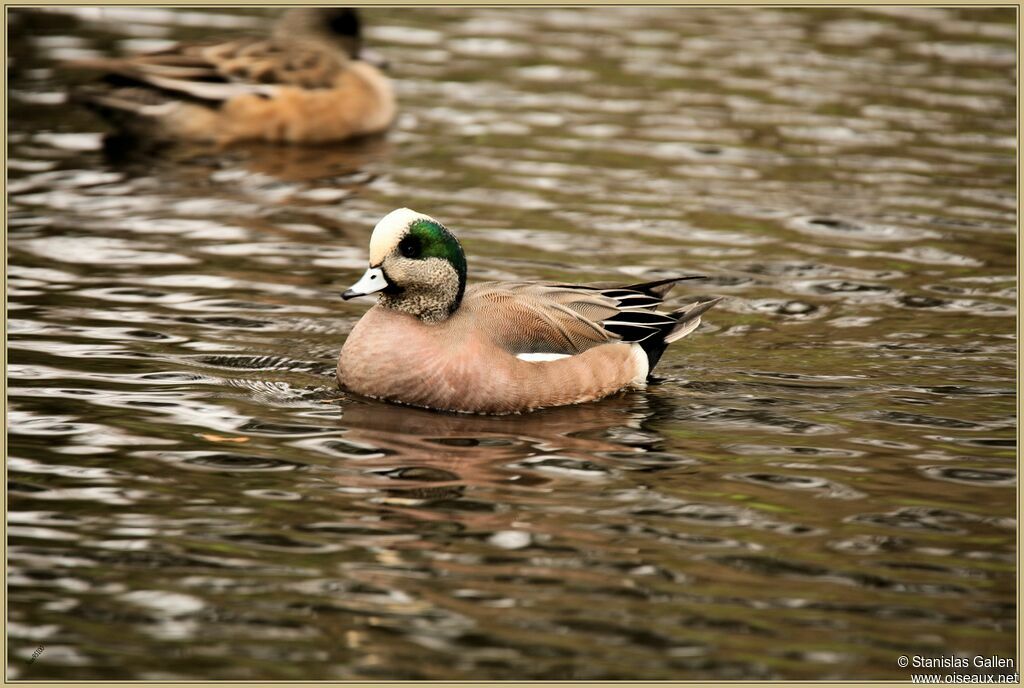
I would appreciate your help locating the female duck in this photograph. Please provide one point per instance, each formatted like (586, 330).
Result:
(495, 347)
(304, 84)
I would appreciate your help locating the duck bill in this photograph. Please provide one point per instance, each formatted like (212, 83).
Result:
(373, 280)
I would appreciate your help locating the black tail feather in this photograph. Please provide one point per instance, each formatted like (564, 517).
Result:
(654, 346)
(659, 288)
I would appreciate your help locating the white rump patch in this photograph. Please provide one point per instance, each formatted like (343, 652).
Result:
(539, 358)
(643, 366)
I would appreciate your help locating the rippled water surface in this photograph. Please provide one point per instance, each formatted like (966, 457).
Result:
(823, 480)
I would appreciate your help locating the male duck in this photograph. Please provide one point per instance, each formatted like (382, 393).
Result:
(495, 347)
(304, 84)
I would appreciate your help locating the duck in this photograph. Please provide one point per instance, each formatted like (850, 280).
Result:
(496, 348)
(307, 83)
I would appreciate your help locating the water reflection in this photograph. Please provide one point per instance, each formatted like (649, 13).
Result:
(259, 165)
(824, 479)
(415, 454)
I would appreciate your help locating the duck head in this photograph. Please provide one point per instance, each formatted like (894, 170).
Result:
(416, 265)
(336, 28)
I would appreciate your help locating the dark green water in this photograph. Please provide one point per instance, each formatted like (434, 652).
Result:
(824, 480)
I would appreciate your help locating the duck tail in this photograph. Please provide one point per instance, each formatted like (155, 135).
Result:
(103, 102)
(659, 288)
(136, 113)
(686, 320)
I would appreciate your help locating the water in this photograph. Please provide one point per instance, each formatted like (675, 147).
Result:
(823, 480)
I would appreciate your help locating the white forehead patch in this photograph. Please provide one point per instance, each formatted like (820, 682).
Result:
(390, 230)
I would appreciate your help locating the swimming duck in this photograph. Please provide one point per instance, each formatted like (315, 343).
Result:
(305, 84)
(495, 347)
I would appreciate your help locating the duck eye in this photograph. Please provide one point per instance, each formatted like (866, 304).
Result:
(410, 247)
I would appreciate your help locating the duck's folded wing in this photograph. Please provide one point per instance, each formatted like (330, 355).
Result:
(270, 62)
(530, 317)
(221, 71)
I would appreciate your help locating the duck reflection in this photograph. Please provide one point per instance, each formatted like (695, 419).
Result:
(283, 163)
(311, 163)
(427, 456)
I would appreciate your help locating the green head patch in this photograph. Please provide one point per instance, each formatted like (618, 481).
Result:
(430, 239)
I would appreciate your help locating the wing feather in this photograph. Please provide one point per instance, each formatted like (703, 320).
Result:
(216, 72)
(532, 317)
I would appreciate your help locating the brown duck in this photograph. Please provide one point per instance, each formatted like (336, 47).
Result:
(304, 84)
(495, 347)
